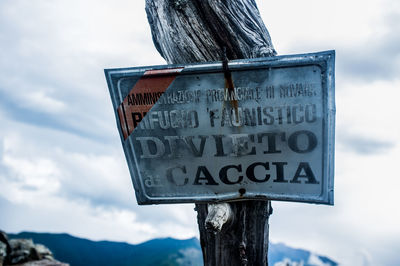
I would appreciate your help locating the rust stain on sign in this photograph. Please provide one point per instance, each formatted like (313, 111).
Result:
(230, 87)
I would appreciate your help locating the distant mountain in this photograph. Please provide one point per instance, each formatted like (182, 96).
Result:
(282, 255)
(160, 252)
(78, 251)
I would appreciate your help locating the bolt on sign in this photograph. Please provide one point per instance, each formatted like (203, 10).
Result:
(252, 129)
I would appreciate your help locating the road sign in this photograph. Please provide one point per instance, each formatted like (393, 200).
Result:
(264, 129)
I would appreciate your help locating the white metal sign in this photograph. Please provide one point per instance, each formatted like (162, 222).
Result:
(264, 129)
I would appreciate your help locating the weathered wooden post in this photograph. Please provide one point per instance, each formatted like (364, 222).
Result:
(189, 31)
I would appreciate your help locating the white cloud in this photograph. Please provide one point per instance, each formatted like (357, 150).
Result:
(315, 260)
(367, 110)
(54, 52)
(81, 193)
(40, 101)
(319, 24)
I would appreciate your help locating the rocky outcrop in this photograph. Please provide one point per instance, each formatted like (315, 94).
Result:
(3, 253)
(4, 247)
(23, 252)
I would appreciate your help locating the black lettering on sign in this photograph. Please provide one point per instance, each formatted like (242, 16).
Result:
(173, 146)
(151, 147)
(271, 141)
(213, 116)
(219, 146)
(280, 176)
(206, 177)
(250, 172)
(270, 91)
(270, 118)
(298, 119)
(197, 152)
(293, 141)
(147, 98)
(136, 117)
(223, 174)
(163, 119)
(304, 171)
(250, 117)
(311, 113)
(241, 146)
(189, 144)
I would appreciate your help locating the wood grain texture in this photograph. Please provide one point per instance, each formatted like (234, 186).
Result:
(242, 241)
(189, 31)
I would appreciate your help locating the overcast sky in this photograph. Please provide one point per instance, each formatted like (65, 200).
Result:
(62, 167)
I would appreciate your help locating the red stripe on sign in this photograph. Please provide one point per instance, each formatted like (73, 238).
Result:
(122, 121)
(146, 92)
(164, 71)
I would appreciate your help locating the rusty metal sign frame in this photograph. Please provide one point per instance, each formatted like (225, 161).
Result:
(323, 61)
